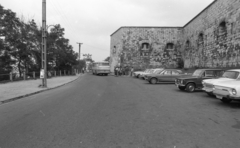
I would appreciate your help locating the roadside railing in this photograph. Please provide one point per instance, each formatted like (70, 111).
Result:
(4, 78)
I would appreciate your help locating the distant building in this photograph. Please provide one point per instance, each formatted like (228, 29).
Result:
(211, 39)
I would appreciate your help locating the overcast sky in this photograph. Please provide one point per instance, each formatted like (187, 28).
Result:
(91, 22)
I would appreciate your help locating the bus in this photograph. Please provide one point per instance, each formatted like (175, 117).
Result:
(102, 68)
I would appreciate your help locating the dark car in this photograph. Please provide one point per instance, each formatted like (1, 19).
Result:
(166, 75)
(194, 81)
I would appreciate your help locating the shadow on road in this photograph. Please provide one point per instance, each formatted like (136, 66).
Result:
(162, 83)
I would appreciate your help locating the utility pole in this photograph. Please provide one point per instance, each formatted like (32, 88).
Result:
(79, 50)
(79, 55)
(44, 49)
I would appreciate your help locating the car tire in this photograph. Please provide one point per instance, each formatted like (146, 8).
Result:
(153, 81)
(225, 100)
(190, 87)
(181, 87)
(137, 76)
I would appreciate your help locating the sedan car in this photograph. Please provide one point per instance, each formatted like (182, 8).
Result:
(228, 75)
(153, 71)
(227, 91)
(193, 82)
(167, 75)
(141, 75)
(137, 73)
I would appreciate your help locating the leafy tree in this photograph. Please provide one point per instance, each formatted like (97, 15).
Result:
(22, 45)
(8, 29)
(107, 59)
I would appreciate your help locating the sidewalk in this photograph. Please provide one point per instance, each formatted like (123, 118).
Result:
(15, 90)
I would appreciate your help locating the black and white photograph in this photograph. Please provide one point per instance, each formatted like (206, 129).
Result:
(120, 74)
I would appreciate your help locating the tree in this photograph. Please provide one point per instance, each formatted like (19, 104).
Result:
(22, 45)
(107, 59)
(8, 23)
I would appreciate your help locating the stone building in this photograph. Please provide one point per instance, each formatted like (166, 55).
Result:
(211, 39)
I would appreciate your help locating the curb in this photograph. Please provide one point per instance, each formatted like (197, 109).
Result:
(30, 94)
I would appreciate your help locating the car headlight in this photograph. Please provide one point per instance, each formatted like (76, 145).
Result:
(203, 82)
(234, 92)
(182, 81)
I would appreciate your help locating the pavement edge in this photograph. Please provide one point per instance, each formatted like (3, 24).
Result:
(30, 94)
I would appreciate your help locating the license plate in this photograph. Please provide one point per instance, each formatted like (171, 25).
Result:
(219, 97)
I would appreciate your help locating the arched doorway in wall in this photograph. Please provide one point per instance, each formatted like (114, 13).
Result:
(222, 44)
(187, 54)
(200, 45)
(170, 55)
(222, 33)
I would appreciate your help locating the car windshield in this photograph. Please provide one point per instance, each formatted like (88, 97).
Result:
(230, 74)
(197, 73)
(101, 64)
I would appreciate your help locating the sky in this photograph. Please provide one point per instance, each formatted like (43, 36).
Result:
(91, 22)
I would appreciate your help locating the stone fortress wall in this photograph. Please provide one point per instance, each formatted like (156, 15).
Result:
(211, 39)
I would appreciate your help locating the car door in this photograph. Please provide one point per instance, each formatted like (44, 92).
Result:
(174, 74)
(165, 76)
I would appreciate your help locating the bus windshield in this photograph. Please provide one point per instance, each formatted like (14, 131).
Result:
(101, 64)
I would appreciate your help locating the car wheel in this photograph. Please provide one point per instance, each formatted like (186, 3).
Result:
(225, 100)
(190, 87)
(182, 87)
(153, 81)
(137, 76)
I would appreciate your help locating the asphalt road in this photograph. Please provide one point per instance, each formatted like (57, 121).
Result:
(119, 112)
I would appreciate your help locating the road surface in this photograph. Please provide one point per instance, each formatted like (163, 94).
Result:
(119, 112)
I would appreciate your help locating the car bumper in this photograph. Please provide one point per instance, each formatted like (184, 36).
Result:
(228, 96)
(208, 90)
(179, 84)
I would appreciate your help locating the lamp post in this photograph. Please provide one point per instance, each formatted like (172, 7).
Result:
(79, 53)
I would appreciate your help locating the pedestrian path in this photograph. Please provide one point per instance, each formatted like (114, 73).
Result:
(16, 90)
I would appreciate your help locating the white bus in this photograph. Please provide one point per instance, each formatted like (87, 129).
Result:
(101, 68)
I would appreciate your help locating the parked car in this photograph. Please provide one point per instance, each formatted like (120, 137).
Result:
(194, 82)
(166, 75)
(157, 71)
(227, 91)
(228, 75)
(137, 73)
(153, 71)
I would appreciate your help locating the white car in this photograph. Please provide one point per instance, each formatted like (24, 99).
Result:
(227, 91)
(137, 73)
(145, 72)
(150, 72)
(229, 75)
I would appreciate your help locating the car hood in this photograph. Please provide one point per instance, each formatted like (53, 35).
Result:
(230, 83)
(142, 73)
(137, 72)
(211, 81)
